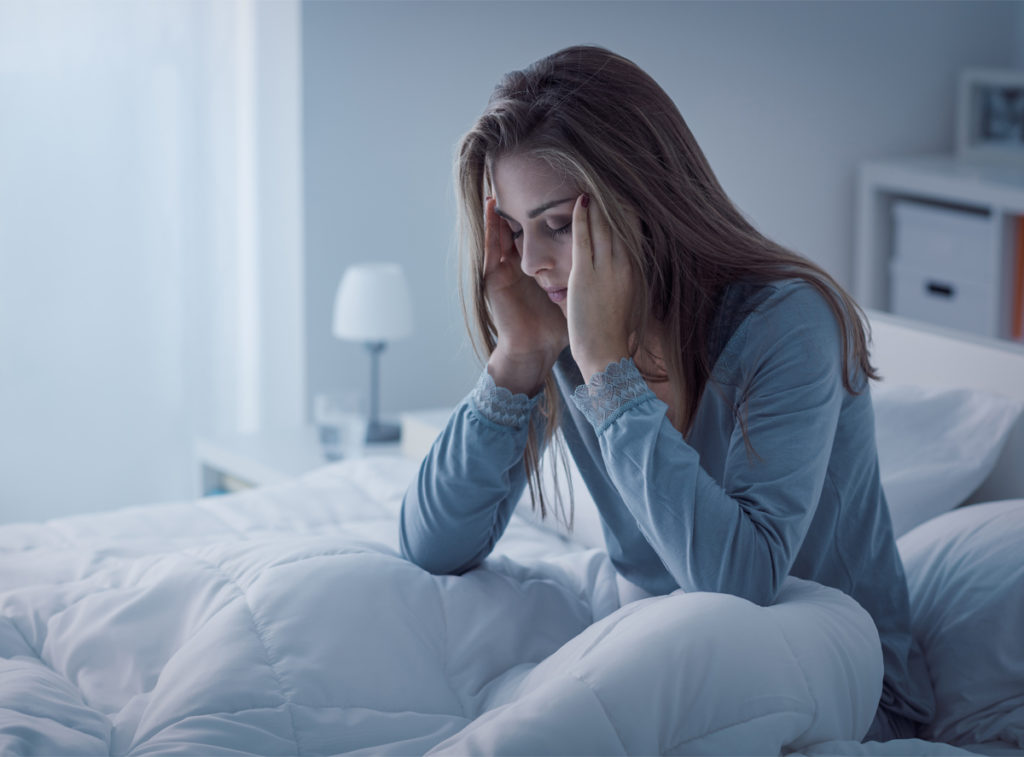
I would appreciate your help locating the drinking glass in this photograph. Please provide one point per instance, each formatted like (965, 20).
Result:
(341, 420)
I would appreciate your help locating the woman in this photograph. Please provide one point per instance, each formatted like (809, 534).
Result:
(711, 386)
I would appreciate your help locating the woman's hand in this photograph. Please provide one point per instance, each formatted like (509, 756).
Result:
(600, 297)
(531, 328)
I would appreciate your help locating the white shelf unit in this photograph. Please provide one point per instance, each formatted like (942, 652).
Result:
(990, 189)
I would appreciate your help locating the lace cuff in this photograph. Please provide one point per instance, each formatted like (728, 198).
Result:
(498, 405)
(611, 393)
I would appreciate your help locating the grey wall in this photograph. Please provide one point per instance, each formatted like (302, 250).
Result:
(785, 97)
(1019, 45)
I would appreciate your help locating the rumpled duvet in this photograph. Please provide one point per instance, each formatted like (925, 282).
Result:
(284, 621)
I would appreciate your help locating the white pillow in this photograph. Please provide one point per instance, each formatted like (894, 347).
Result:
(965, 573)
(936, 446)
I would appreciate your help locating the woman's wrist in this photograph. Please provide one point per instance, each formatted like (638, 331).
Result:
(500, 405)
(520, 374)
(610, 392)
(592, 366)
(597, 358)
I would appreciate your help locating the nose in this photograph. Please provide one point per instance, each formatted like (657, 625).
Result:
(535, 255)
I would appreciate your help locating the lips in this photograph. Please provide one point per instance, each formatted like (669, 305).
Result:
(557, 294)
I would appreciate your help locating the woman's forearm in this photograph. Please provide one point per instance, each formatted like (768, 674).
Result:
(469, 483)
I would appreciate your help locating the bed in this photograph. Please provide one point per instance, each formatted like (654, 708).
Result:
(282, 620)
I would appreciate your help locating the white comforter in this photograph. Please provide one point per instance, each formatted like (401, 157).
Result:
(283, 621)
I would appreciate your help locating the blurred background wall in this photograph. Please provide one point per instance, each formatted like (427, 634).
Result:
(183, 184)
(784, 97)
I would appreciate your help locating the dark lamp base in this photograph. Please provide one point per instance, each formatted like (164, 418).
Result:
(383, 432)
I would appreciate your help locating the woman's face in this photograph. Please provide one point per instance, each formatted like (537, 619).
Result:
(537, 202)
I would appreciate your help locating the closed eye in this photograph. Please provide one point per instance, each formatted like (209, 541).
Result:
(560, 230)
(556, 232)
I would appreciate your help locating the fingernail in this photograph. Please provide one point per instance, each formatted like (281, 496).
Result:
(586, 200)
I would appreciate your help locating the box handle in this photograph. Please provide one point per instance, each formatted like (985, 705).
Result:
(942, 290)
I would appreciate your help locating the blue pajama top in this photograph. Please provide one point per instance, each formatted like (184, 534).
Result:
(701, 512)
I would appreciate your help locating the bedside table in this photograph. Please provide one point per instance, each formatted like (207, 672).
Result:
(420, 428)
(241, 461)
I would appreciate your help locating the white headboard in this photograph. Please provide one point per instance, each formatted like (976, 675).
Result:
(911, 352)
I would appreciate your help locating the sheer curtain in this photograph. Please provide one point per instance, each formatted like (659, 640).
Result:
(150, 243)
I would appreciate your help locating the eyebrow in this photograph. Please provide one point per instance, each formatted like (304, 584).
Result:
(536, 211)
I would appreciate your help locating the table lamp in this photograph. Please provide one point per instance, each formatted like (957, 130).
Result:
(372, 306)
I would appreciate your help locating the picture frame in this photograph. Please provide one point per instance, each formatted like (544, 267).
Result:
(990, 116)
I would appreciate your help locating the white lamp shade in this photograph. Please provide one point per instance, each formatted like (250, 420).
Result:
(372, 304)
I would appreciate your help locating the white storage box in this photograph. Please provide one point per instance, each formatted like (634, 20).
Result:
(947, 267)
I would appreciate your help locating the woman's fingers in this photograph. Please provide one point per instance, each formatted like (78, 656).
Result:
(504, 238)
(494, 243)
(497, 237)
(591, 235)
(601, 238)
(582, 249)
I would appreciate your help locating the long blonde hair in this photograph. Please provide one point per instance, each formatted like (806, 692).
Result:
(605, 123)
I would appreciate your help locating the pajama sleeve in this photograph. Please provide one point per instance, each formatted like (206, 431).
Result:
(469, 483)
(739, 535)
